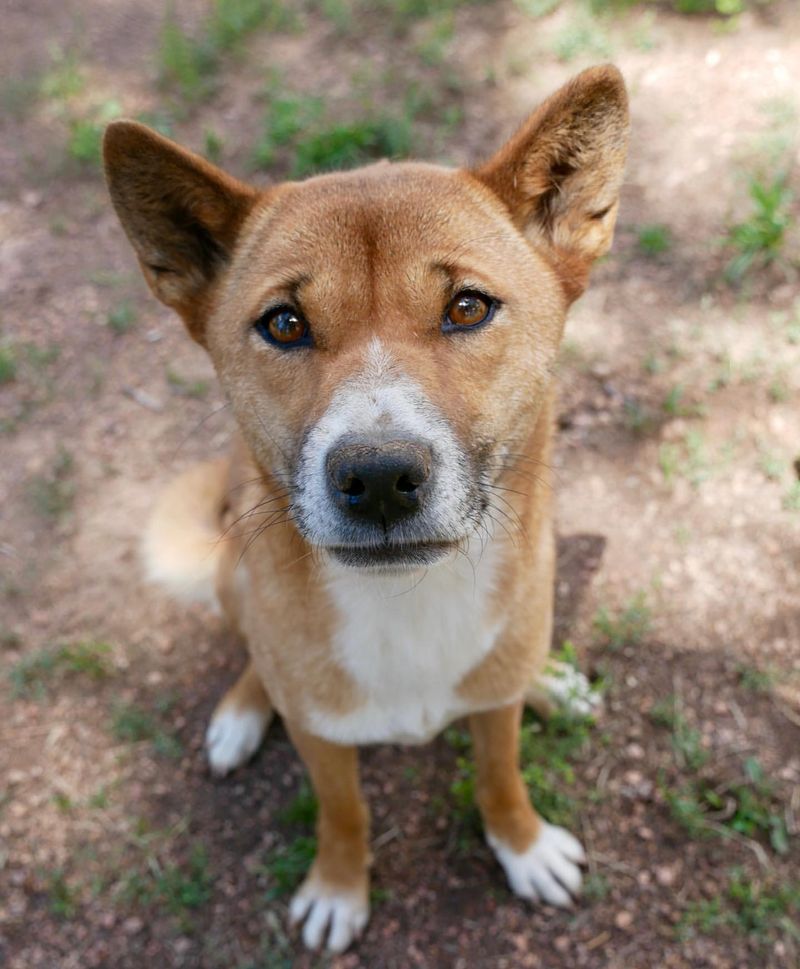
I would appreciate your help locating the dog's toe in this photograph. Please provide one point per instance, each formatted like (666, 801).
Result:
(331, 917)
(548, 870)
(233, 736)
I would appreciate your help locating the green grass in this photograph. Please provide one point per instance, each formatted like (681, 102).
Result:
(134, 724)
(752, 908)
(302, 809)
(791, 500)
(8, 365)
(63, 897)
(32, 674)
(654, 240)
(52, 492)
(627, 626)
(188, 65)
(584, 37)
(176, 888)
(287, 116)
(121, 317)
(759, 240)
(186, 387)
(349, 144)
(288, 864)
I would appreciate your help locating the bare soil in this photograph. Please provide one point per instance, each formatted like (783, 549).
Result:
(679, 428)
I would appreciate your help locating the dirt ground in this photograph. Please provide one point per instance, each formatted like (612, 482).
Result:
(679, 512)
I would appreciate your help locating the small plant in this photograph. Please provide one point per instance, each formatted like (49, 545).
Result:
(84, 659)
(628, 627)
(791, 500)
(302, 809)
(63, 898)
(133, 724)
(350, 144)
(184, 387)
(583, 37)
(759, 240)
(286, 117)
(654, 240)
(288, 864)
(8, 365)
(213, 145)
(53, 492)
(122, 317)
(186, 65)
(748, 906)
(547, 753)
(181, 887)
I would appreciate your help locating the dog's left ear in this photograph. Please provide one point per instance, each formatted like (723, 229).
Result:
(560, 175)
(181, 214)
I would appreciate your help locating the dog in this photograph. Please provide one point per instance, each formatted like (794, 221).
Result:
(381, 535)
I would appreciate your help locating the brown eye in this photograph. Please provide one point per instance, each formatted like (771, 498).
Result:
(469, 309)
(283, 327)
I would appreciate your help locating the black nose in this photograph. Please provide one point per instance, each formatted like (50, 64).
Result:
(382, 482)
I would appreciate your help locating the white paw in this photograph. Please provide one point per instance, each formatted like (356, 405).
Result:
(570, 690)
(548, 871)
(330, 915)
(233, 736)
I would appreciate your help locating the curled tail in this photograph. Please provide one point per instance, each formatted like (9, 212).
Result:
(181, 546)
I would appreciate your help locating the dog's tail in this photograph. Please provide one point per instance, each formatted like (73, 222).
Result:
(181, 546)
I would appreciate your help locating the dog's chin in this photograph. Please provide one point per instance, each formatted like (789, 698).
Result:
(390, 558)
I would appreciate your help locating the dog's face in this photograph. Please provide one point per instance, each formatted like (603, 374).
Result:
(386, 336)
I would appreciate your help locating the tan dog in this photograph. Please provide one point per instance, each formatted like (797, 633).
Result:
(387, 339)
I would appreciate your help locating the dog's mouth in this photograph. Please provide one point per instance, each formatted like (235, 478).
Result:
(391, 556)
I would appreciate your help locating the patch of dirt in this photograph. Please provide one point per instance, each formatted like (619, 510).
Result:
(679, 428)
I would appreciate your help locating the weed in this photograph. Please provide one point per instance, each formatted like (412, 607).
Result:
(63, 897)
(184, 387)
(64, 79)
(537, 8)
(627, 627)
(185, 65)
(178, 888)
(747, 807)
(547, 753)
(53, 492)
(302, 809)
(654, 240)
(288, 864)
(759, 240)
(747, 906)
(778, 389)
(213, 145)
(350, 144)
(637, 418)
(133, 724)
(686, 740)
(121, 317)
(582, 38)
(675, 406)
(286, 117)
(30, 676)
(433, 45)
(791, 500)
(232, 20)
(8, 365)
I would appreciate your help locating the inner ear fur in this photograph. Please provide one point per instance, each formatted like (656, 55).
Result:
(560, 174)
(181, 214)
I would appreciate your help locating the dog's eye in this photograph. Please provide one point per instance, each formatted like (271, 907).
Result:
(467, 310)
(283, 327)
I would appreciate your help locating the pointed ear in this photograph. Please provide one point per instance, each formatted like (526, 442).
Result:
(560, 175)
(181, 214)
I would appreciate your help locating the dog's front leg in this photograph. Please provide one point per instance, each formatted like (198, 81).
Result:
(333, 901)
(541, 860)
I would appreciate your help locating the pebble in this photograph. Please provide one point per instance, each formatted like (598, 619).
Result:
(623, 920)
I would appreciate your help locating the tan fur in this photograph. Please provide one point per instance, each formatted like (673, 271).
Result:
(374, 255)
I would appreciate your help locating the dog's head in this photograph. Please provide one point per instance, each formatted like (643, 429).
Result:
(386, 336)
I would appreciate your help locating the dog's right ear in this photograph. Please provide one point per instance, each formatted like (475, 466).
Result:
(181, 214)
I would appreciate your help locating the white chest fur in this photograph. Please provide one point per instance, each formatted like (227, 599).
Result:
(408, 642)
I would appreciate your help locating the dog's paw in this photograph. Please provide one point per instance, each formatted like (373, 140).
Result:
(548, 871)
(233, 736)
(330, 916)
(568, 690)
